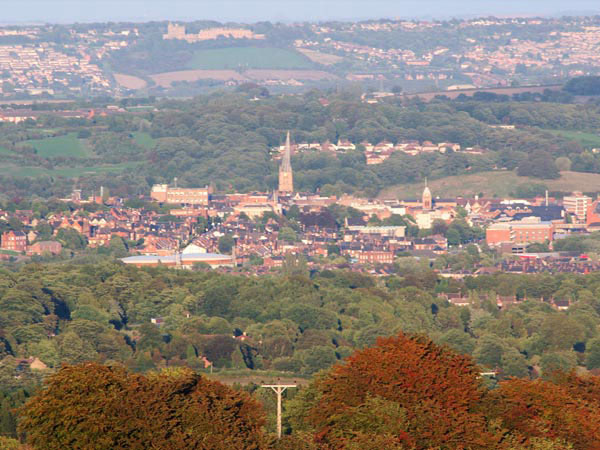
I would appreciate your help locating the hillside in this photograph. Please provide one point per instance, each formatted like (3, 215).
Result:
(493, 184)
(248, 57)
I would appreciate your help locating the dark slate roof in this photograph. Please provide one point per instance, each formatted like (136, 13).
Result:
(545, 213)
(356, 221)
(513, 206)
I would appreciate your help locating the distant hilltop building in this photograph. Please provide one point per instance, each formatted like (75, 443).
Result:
(178, 32)
(163, 193)
(286, 177)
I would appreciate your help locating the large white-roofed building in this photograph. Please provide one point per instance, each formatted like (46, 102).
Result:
(181, 260)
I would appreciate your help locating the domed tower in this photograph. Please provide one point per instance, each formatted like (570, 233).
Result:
(427, 199)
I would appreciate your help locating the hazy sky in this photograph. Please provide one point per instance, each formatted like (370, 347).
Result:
(66, 11)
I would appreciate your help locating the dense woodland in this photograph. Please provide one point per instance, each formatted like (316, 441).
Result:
(225, 138)
(405, 392)
(292, 322)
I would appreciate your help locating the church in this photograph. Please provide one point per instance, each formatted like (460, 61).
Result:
(431, 210)
(428, 209)
(286, 177)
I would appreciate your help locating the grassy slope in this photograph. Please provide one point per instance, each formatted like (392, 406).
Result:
(587, 140)
(68, 172)
(143, 139)
(321, 58)
(495, 183)
(67, 145)
(251, 57)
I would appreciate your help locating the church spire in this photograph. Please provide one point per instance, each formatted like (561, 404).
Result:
(286, 162)
(286, 180)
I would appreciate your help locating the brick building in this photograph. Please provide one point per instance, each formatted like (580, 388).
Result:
(593, 216)
(375, 256)
(39, 248)
(163, 193)
(14, 240)
(526, 231)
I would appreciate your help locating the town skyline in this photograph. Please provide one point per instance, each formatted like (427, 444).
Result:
(392, 207)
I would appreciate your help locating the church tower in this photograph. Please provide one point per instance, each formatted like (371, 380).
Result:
(286, 178)
(427, 199)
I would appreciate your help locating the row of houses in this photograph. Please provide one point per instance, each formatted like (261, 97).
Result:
(41, 68)
(13, 115)
(378, 153)
(259, 235)
(562, 53)
(520, 223)
(501, 301)
(16, 242)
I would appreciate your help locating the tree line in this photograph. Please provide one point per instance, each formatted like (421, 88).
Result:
(295, 322)
(225, 138)
(404, 392)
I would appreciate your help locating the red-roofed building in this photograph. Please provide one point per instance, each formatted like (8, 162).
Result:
(14, 240)
(39, 248)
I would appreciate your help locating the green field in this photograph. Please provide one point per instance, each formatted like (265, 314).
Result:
(68, 172)
(587, 140)
(248, 57)
(67, 145)
(143, 139)
(493, 184)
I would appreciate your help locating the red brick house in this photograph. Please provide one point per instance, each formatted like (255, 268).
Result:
(14, 240)
(375, 256)
(523, 232)
(39, 248)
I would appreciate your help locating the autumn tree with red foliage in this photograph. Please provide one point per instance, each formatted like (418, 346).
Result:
(584, 387)
(567, 410)
(405, 391)
(91, 406)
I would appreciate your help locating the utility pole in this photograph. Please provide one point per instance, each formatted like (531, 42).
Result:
(278, 389)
